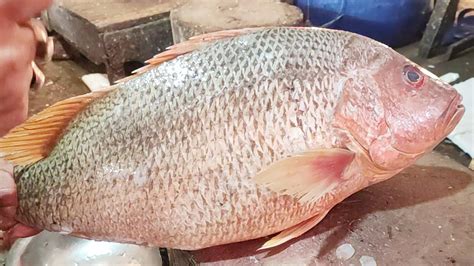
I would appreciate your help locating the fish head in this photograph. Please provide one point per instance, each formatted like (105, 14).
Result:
(397, 111)
(419, 109)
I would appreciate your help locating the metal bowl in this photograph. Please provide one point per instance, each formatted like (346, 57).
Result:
(54, 249)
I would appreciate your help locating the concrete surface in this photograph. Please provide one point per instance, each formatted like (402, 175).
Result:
(423, 216)
(63, 80)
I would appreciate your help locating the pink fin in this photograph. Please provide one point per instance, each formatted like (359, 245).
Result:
(307, 176)
(294, 231)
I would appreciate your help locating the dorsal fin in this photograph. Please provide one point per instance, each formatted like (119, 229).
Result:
(34, 139)
(193, 44)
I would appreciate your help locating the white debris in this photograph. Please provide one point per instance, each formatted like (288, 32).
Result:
(65, 230)
(254, 259)
(345, 252)
(96, 81)
(367, 261)
(463, 134)
(449, 77)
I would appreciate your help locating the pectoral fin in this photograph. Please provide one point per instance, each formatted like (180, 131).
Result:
(307, 176)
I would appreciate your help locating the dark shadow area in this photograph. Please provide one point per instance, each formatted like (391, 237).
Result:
(415, 185)
(78, 57)
(450, 149)
(129, 67)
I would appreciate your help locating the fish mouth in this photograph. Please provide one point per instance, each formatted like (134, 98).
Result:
(454, 114)
(450, 119)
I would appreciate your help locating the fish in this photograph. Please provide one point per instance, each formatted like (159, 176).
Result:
(229, 136)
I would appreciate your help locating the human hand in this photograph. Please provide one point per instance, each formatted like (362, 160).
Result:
(8, 205)
(18, 41)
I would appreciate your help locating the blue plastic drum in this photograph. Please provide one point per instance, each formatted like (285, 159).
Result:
(393, 22)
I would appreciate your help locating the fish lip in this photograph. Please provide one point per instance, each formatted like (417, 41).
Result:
(450, 119)
(454, 115)
(455, 119)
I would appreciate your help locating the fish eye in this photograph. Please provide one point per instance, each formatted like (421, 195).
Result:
(413, 76)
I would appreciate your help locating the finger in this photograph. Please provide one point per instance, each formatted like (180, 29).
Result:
(18, 231)
(14, 98)
(18, 49)
(39, 31)
(40, 78)
(7, 223)
(22, 10)
(16, 55)
(8, 212)
(14, 108)
(5, 166)
(44, 52)
(8, 195)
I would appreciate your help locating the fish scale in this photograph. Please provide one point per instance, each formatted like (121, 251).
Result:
(168, 158)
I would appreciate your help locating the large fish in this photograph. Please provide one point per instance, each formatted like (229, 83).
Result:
(227, 137)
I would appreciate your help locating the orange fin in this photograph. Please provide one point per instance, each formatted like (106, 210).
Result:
(34, 139)
(294, 231)
(307, 176)
(193, 44)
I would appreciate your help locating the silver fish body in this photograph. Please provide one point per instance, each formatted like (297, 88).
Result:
(167, 158)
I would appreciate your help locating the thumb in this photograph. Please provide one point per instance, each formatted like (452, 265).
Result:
(18, 231)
